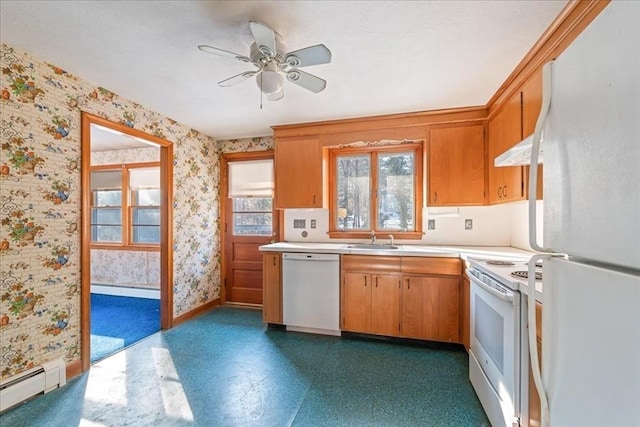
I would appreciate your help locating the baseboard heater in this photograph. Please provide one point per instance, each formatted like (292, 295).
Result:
(41, 379)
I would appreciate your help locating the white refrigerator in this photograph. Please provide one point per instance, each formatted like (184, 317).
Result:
(591, 304)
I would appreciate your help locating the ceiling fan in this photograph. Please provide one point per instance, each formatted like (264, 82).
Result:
(268, 54)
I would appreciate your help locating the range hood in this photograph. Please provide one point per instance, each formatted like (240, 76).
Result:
(518, 155)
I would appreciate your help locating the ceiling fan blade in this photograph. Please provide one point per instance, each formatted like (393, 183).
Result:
(238, 78)
(265, 38)
(276, 96)
(222, 52)
(306, 80)
(312, 55)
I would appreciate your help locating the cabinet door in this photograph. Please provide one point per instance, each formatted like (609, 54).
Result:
(505, 130)
(385, 304)
(271, 288)
(298, 173)
(456, 166)
(356, 302)
(531, 103)
(431, 308)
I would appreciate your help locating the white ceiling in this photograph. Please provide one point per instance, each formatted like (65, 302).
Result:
(388, 56)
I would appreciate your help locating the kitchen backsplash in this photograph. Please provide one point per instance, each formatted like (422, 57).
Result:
(500, 225)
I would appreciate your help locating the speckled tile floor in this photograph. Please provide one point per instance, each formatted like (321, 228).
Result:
(225, 368)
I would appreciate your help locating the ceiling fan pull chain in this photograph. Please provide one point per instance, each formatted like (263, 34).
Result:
(261, 91)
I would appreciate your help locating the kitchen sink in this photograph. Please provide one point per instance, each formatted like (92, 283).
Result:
(372, 246)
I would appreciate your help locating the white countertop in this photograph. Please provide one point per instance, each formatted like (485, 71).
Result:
(464, 252)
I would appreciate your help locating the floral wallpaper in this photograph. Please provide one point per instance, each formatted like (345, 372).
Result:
(259, 143)
(40, 207)
(132, 155)
(125, 268)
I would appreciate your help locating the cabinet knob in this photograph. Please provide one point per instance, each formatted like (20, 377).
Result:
(314, 199)
(499, 192)
(504, 191)
(365, 280)
(274, 261)
(376, 281)
(408, 284)
(435, 196)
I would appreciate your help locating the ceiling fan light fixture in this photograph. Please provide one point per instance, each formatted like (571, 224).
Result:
(270, 80)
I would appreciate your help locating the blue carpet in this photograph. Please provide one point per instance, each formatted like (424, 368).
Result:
(117, 322)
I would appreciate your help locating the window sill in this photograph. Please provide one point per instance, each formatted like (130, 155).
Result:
(120, 247)
(380, 235)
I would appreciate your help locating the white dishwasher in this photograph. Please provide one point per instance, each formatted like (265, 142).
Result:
(311, 292)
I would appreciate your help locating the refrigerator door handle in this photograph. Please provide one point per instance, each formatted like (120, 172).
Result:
(535, 152)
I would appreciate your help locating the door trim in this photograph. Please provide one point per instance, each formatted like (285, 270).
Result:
(225, 159)
(166, 229)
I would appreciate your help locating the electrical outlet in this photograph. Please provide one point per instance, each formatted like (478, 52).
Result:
(299, 223)
(468, 224)
(313, 223)
(431, 224)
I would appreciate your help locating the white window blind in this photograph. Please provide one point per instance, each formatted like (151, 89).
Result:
(253, 178)
(144, 178)
(106, 180)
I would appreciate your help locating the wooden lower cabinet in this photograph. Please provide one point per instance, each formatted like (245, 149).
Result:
(371, 303)
(431, 308)
(534, 398)
(465, 317)
(378, 298)
(272, 288)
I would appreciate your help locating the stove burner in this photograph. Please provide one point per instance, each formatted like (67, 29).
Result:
(500, 263)
(523, 274)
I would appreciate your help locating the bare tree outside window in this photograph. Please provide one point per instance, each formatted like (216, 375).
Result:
(396, 192)
(354, 193)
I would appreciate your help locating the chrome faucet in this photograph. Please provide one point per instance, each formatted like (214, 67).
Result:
(373, 237)
(391, 238)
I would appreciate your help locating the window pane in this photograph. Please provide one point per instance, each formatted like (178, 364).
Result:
(262, 204)
(106, 216)
(107, 198)
(396, 191)
(353, 191)
(146, 234)
(146, 197)
(146, 216)
(252, 224)
(106, 233)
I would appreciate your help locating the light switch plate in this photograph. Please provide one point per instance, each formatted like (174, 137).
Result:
(299, 223)
(313, 223)
(468, 224)
(431, 224)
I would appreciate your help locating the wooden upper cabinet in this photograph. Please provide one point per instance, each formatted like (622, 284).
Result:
(505, 130)
(531, 103)
(298, 173)
(456, 166)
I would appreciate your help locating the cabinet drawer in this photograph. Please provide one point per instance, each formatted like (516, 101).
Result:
(372, 264)
(419, 265)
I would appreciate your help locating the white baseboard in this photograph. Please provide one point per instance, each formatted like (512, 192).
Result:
(124, 291)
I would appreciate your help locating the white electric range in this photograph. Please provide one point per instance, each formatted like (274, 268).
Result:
(499, 348)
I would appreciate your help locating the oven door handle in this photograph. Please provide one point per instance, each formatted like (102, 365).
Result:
(504, 297)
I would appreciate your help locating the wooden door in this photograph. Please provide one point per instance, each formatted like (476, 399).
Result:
(247, 224)
(272, 288)
(356, 302)
(456, 166)
(385, 304)
(431, 308)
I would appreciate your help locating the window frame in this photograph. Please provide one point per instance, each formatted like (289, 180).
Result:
(127, 207)
(374, 151)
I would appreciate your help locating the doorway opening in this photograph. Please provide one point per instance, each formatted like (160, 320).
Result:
(126, 292)
(249, 221)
